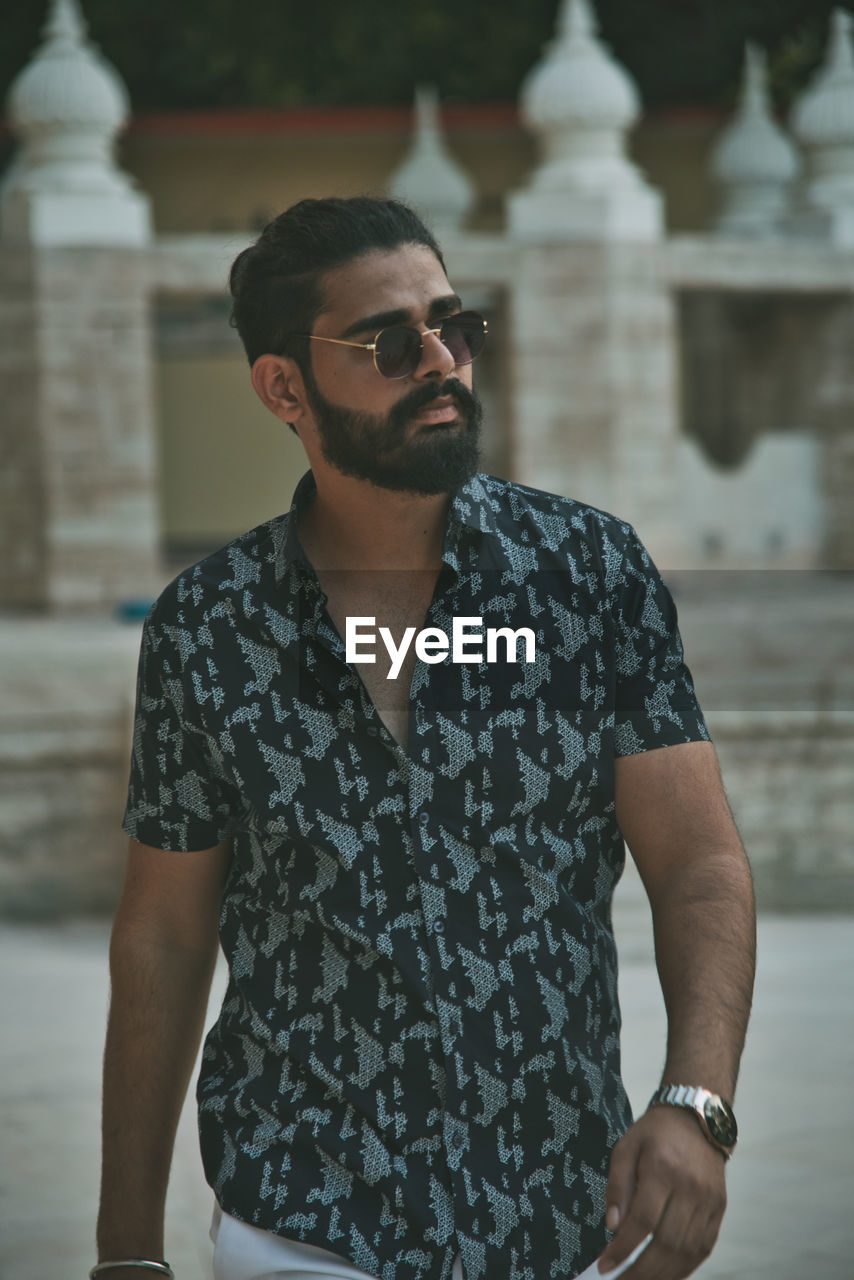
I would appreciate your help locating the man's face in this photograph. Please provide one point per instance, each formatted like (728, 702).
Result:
(418, 434)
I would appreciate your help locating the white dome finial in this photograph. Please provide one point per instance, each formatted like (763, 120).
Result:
(753, 160)
(577, 80)
(754, 91)
(825, 112)
(823, 120)
(67, 83)
(429, 178)
(66, 106)
(580, 103)
(65, 22)
(577, 21)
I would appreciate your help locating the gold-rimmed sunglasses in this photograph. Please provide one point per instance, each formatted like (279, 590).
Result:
(397, 349)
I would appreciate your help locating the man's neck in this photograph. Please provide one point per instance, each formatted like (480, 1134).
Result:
(351, 524)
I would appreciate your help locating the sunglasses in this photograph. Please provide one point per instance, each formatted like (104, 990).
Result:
(397, 349)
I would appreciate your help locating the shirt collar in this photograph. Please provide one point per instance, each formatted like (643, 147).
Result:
(289, 549)
(470, 507)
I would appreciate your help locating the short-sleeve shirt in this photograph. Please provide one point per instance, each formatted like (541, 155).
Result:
(418, 1049)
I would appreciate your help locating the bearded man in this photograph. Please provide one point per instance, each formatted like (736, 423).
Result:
(415, 1073)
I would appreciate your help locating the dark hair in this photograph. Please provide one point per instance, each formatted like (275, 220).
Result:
(275, 283)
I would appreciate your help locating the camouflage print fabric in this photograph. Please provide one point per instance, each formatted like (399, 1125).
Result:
(418, 1050)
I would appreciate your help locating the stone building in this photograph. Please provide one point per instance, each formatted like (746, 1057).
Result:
(697, 383)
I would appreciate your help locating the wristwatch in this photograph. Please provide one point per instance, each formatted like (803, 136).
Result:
(715, 1116)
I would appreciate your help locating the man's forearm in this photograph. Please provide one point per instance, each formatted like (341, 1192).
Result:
(705, 945)
(665, 1178)
(157, 1009)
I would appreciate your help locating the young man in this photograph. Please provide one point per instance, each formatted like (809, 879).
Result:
(410, 856)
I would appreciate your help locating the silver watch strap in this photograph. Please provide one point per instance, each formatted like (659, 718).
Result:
(679, 1095)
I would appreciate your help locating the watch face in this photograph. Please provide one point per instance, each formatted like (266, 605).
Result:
(721, 1121)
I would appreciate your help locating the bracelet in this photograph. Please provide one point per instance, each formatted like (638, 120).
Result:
(162, 1268)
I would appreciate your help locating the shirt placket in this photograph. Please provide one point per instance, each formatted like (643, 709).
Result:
(434, 871)
(331, 650)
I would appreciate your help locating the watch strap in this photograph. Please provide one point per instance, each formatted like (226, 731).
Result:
(679, 1095)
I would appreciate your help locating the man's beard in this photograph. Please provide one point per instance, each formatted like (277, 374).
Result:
(379, 448)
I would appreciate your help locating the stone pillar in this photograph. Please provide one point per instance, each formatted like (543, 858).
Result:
(595, 392)
(23, 502)
(79, 513)
(592, 329)
(79, 487)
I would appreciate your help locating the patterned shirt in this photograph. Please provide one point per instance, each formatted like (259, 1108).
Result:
(418, 1049)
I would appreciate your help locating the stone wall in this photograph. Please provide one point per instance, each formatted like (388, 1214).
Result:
(772, 655)
(66, 702)
(789, 779)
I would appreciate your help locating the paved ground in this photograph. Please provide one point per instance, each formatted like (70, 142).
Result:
(791, 1184)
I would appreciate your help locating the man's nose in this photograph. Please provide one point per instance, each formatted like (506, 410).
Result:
(436, 360)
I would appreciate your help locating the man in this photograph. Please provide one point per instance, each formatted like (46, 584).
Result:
(411, 855)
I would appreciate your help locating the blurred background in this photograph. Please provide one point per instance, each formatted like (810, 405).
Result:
(653, 204)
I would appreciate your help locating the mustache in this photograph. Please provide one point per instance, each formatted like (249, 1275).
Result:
(423, 396)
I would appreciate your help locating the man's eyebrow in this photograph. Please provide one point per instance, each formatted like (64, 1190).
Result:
(445, 306)
(382, 319)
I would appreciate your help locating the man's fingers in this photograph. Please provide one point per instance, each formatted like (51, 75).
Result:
(645, 1210)
(620, 1270)
(622, 1177)
(683, 1237)
(632, 1210)
(666, 1257)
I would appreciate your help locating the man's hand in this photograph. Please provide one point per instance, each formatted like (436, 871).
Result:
(665, 1178)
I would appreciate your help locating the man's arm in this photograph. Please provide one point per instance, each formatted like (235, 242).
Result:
(665, 1177)
(162, 954)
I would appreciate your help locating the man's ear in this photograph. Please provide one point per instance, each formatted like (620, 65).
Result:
(279, 385)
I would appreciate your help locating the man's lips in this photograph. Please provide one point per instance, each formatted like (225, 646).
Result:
(441, 410)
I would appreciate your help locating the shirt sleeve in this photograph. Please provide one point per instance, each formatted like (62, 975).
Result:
(179, 797)
(655, 704)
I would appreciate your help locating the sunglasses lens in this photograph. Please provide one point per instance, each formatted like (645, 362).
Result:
(464, 336)
(398, 351)
(398, 348)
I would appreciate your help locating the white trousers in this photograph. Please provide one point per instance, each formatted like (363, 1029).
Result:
(243, 1252)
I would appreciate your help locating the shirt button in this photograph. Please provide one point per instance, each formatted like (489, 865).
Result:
(438, 926)
(423, 817)
(372, 730)
(457, 1140)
